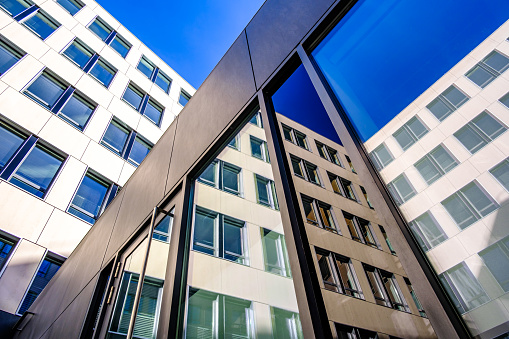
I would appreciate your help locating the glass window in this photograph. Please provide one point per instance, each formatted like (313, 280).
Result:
(163, 228)
(401, 189)
(133, 96)
(488, 69)
(100, 28)
(350, 164)
(8, 57)
(479, 132)
(312, 173)
(71, 6)
(301, 140)
(103, 72)
(41, 24)
(338, 274)
(501, 173)
(410, 132)
(414, 297)
(349, 332)
(231, 178)
(298, 170)
(469, 204)
(36, 172)
(360, 229)
(153, 111)
(116, 136)
(447, 102)
(496, 258)
(88, 202)
(184, 98)
(79, 53)
(314, 208)
(505, 100)
(46, 90)
(392, 289)
(10, 142)
(287, 132)
(77, 111)
(256, 119)
(235, 143)
(385, 288)
(342, 186)
(309, 210)
(381, 157)
(435, 164)
(139, 151)
(427, 231)
(366, 197)
(229, 232)
(375, 283)
(463, 288)
(274, 252)
(146, 67)
(295, 137)
(47, 270)
(15, 7)
(387, 241)
(285, 324)
(163, 81)
(258, 148)
(6, 248)
(120, 45)
(266, 192)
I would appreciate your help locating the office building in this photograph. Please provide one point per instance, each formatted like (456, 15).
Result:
(342, 173)
(82, 103)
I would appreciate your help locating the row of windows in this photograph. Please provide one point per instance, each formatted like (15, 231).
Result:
(110, 37)
(338, 275)
(226, 237)
(325, 152)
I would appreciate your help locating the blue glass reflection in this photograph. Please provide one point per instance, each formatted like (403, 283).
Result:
(384, 54)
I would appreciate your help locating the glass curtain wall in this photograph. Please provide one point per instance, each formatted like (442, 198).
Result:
(239, 283)
(411, 91)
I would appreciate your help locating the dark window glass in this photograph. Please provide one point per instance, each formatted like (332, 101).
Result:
(184, 98)
(100, 29)
(139, 151)
(488, 69)
(120, 45)
(46, 271)
(501, 172)
(231, 178)
(427, 231)
(505, 100)
(14, 7)
(297, 167)
(71, 6)
(153, 111)
(412, 131)
(115, 137)
(414, 297)
(10, 141)
(133, 96)
(77, 111)
(79, 53)
(447, 102)
(435, 164)
(103, 72)
(401, 189)
(37, 171)
(210, 174)
(163, 81)
(348, 332)
(233, 240)
(204, 230)
(363, 190)
(41, 24)
(46, 90)
(381, 157)
(496, 257)
(88, 201)
(309, 210)
(387, 241)
(146, 67)
(312, 173)
(266, 193)
(6, 247)
(8, 57)
(163, 229)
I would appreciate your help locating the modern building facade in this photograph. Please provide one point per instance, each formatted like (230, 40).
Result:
(82, 103)
(286, 201)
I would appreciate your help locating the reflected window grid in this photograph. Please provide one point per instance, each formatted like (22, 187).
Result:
(224, 176)
(410, 133)
(235, 143)
(381, 157)
(427, 231)
(401, 189)
(184, 98)
(275, 254)
(435, 164)
(385, 288)
(71, 6)
(488, 69)
(266, 192)
(447, 102)
(479, 132)
(295, 137)
(305, 170)
(39, 22)
(259, 148)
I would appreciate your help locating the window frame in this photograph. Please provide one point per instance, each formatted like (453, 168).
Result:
(281, 250)
(375, 157)
(294, 135)
(488, 69)
(409, 132)
(474, 128)
(420, 236)
(395, 190)
(316, 205)
(435, 164)
(359, 224)
(327, 153)
(13, 50)
(145, 100)
(112, 35)
(501, 164)
(32, 12)
(263, 148)
(79, 3)
(155, 73)
(10, 240)
(185, 95)
(388, 302)
(343, 184)
(306, 167)
(219, 174)
(442, 98)
(271, 192)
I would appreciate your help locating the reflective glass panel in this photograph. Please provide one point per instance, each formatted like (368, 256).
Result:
(153, 111)
(14, 7)
(41, 24)
(10, 141)
(70, 6)
(115, 137)
(139, 151)
(77, 111)
(8, 57)
(133, 96)
(89, 198)
(120, 45)
(103, 72)
(100, 29)
(78, 53)
(46, 90)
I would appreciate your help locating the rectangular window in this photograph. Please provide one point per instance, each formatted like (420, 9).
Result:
(401, 189)
(469, 204)
(381, 157)
(365, 194)
(360, 229)
(15, 7)
(328, 153)
(319, 213)
(479, 132)
(435, 164)
(496, 258)
(9, 55)
(125, 142)
(71, 6)
(79, 53)
(162, 231)
(488, 69)
(285, 324)
(463, 288)
(387, 241)
(305, 170)
(235, 143)
(259, 148)
(505, 100)
(338, 274)
(7, 246)
(219, 235)
(427, 231)
(110, 36)
(350, 164)
(103, 72)
(46, 271)
(501, 173)
(154, 74)
(410, 132)
(92, 197)
(224, 176)
(256, 120)
(349, 332)
(41, 24)
(414, 297)
(266, 192)
(447, 102)
(10, 141)
(342, 186)
(211, 315)
(295, 137)
(385, 288)
(143, 103)
(184, 97)
(274, 253)
(61, 99)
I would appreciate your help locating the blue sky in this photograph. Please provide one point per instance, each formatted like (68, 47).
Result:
(191, 36)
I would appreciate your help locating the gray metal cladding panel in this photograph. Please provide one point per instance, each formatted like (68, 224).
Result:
(276, 30)
(223, 94)
(143, 191)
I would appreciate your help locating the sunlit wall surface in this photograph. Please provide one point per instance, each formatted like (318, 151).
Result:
(425, 87)
(239, 281)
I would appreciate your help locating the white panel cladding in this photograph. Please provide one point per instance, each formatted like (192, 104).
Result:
(67, 184)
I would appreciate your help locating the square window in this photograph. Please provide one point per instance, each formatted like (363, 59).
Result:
(412, 131)
(256, 120)
(8, 56)
(41, 24)
(360, 230)
(235, 143)
(338, 274)
(163, 81)
(210, 175)
(89, 201)
(162, 231)
(139, 151)
(435, 164)
(298, 169)
(46, 90)
(301, 140)
(488, 69)
(153, 111)
(266, 192)
(479, 132)
(287, 132)
(231, 178)
(103, 72)
(71, 6)
(319, 213)
(504, 100)
(133, 96)
(285, 324)
(37, 171)
(312, 173)
(184, 98)
(258, 148)
(146, 67)
(447, 102)
(275, 254)
(116, 136)
(77, 111)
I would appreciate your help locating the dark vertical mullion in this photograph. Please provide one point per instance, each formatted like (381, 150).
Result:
(110, 37)
(313, 309)
(155, 72)
(18, 157)
(112, 192)
(128, 145)
(63, 99)
(25, 13)
(90, 63)
(143, 104)
(220, 231)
